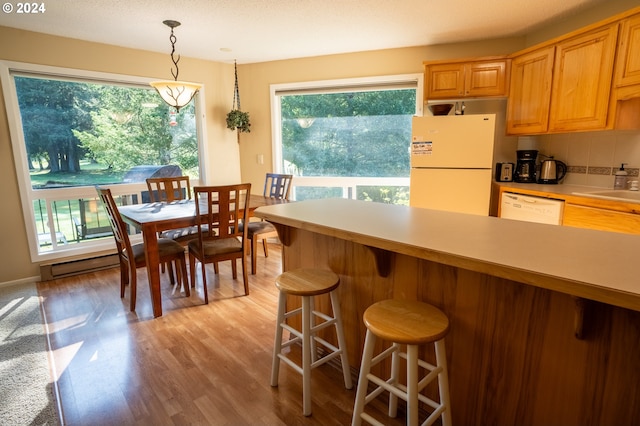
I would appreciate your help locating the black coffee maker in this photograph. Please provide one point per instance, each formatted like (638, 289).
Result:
(526, 166)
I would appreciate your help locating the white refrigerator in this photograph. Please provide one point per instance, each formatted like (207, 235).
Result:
(452, 162)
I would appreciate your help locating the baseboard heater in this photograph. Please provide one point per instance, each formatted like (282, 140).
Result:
(52, 271)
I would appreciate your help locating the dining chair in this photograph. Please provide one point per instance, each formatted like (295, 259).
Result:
(133, 257)
(219, 211)
(275, 186)
(170, 189)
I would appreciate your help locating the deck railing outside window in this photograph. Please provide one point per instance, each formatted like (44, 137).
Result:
(72, 219)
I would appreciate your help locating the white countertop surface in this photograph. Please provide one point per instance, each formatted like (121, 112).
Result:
(561, 189)
(596, 265)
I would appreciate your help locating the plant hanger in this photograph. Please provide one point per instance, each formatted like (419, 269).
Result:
(236, 89)
(236, 119)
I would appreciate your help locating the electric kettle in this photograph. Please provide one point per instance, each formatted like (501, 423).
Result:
(552, 171)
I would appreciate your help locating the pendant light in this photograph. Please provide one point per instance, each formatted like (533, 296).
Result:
(175, 93)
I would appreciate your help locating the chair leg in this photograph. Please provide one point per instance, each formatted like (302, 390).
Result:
(192, 269)
(184, 279)
(254, 257)
(124, 276)
(265, 247)
(234, 269)
(204, 283)
(245, 278)
(169, 266)
(133, 288)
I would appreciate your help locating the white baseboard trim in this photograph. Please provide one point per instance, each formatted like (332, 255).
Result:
(21, 281)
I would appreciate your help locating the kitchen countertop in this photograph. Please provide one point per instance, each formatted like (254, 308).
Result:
(625, 201)
(595, 265)
(559, 189)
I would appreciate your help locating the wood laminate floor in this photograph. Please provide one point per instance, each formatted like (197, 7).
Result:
(197, 364)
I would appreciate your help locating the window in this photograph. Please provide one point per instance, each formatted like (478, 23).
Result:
(347, 138)
(72, 130)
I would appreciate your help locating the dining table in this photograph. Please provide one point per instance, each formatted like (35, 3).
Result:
(152, 218)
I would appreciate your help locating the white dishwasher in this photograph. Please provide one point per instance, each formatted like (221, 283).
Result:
(531, 209)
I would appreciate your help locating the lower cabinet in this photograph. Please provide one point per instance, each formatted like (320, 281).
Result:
(600, 219)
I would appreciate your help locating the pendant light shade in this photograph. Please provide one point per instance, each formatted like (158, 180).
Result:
(175, 93)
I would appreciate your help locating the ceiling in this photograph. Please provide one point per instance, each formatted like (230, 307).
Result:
(266, 30)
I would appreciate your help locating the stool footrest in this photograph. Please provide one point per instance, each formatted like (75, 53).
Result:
(371, 420)
(385, 354)
(291, 363)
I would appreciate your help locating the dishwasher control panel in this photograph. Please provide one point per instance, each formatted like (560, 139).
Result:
(531, 209)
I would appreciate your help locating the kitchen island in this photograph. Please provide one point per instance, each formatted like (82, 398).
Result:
(517, 295)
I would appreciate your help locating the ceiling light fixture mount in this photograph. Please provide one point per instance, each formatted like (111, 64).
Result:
(175, 93)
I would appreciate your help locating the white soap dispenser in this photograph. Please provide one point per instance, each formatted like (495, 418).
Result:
(620, 181)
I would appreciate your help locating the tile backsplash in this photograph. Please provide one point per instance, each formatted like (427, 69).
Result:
(592, 158)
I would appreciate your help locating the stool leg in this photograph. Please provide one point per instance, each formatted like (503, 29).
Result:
(277, 343)
(306, 355)
(393, 380)
(363, 381)
(342, 342)
(412, 385)
(312, 322)
(443, 382)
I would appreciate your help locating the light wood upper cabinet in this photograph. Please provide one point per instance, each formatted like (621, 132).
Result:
(582, 77)
(628, 63)
(530, 93)
(485, 78)
(444, 81)
(565, 86)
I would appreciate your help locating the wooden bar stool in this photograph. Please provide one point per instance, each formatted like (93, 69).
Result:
(409, 323)
(308, 283)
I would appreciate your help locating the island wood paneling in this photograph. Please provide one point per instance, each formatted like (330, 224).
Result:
(513, 358)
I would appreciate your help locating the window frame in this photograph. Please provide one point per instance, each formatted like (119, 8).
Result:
(348, 184)
(28, 195)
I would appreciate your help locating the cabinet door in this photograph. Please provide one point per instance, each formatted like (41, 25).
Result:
(486, 79)
(582, 79)
(530, 92)
(601, 219)
(445, 81)
(628, 64)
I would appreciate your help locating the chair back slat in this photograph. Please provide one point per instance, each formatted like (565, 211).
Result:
(277, 186)
(118, 226)
(169, 189)
(220, 210)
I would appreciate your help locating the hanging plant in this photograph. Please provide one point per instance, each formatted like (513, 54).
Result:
(236, 118)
